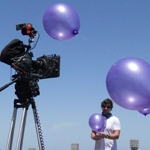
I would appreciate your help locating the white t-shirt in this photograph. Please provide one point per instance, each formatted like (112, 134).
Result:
(112, 123)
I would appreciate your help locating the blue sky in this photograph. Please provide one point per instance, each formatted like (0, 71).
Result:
(109, 31)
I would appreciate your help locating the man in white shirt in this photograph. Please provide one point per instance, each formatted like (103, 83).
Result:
(107, 140)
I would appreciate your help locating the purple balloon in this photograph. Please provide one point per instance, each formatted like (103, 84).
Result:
(61, 21)
(128, 83)
(145, 111)
(97, 122)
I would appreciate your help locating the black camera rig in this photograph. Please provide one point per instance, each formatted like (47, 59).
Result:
(19, 57)
(28, 73)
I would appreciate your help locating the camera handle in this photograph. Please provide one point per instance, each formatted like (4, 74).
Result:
(25, 106)
(8, 84)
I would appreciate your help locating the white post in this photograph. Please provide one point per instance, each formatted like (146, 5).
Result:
(75, 146)
(134, 144)
(32, 149)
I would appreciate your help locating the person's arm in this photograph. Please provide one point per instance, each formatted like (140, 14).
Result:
(94, 136)
(115, 135)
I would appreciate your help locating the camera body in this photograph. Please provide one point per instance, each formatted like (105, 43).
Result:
(46, 66)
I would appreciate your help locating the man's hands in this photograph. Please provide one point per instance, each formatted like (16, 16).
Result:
(98, 135)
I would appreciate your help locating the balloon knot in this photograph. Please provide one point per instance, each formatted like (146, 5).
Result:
(75, 32)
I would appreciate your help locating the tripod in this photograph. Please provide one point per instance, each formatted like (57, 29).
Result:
(26, 89)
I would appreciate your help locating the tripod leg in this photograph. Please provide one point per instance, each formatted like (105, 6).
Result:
(38, 128)
(11, 132)
(38, 136)
(21, 130)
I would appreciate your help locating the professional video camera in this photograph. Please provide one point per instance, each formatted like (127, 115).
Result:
(19, 56)
(28, 71)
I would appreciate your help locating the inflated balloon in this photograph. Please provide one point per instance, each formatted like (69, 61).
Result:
(128, 83)
(61, 21)
(97, 122)
(145, 111)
